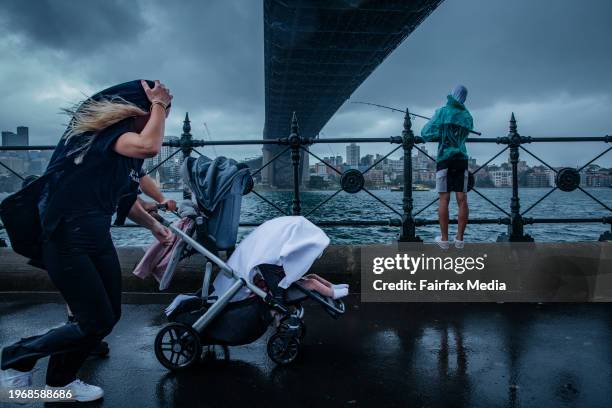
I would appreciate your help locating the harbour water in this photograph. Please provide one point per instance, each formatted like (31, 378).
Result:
(360, 206)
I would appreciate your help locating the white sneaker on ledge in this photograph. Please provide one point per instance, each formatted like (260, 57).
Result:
(15, 379)
(81, 391)
(442, 244)
(459, 244)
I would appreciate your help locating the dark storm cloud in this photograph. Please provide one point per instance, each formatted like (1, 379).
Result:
(72, 26)
(521, 50)
(549, 61)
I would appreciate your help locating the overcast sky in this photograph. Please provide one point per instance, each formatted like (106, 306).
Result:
(549, 61)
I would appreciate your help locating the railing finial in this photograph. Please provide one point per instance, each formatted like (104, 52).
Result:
(186, 124)
(407, 121)
(186, 143)
(512, 124)
(295, 128)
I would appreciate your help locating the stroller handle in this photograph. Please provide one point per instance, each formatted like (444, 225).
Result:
(163, 221)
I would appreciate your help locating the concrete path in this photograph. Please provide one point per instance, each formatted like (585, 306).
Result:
(383, 355)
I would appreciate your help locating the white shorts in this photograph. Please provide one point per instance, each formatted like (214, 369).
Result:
(452, 178)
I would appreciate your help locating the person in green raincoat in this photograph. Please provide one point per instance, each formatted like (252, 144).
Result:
(450, 126)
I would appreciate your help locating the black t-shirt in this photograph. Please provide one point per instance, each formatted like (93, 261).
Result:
(95, 186)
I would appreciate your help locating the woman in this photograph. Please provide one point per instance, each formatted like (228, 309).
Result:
(98, 157)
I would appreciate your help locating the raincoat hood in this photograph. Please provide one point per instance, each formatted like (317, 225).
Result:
(454, 113)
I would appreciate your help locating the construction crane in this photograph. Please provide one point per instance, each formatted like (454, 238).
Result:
(210, 138)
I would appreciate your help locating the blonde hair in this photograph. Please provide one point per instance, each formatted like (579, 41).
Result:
(96, 115)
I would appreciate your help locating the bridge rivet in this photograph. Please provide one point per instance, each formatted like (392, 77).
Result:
(352, 181)
(567, 179)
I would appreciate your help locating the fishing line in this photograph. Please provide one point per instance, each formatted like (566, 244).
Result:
(403, 111)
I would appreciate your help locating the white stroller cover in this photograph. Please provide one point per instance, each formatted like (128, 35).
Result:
(292, 242)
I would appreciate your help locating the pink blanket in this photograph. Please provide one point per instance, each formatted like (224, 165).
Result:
(157, 257)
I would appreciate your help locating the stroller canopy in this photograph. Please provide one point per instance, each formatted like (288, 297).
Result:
(211, 180)
(218, 186)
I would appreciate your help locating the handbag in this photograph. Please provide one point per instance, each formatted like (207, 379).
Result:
(21, 220)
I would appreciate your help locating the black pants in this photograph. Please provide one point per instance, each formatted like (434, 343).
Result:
(82, 263)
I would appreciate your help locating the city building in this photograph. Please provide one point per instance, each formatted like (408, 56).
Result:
(501, 176)
(352, 155)
(9, 138)
(21, 138)
(367, 160)
(538, 176)
(394, 166)
(169, 169)
(374, 177)
(420, 161)
(320, 169)
(596, 176)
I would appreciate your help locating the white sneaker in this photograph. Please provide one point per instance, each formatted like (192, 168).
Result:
(15, 379)
(459, 244)
(441, 244)
(81, 391)
(338, 293)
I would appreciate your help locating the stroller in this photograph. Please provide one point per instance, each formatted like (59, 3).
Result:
(248, 304)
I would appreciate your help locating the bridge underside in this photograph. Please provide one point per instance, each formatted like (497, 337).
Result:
(318, 52)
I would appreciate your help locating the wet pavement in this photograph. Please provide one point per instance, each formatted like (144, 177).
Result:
(404, 355)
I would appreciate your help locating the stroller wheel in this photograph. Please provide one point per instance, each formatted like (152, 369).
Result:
(292, 326)
(283, 349)
(177, 346)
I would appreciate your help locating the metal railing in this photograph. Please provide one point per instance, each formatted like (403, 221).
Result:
(352, 181)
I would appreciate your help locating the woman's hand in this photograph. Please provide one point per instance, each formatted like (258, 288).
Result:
(159, 93)
(170, 204)
(162, 234)
(148, 142)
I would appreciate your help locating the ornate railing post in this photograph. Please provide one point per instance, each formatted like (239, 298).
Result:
(408, 233)
(516, 227)
(186, 143)
(295, 142)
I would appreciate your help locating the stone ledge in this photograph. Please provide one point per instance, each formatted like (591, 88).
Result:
(339, 263)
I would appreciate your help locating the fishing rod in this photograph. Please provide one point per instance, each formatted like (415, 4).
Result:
(403, 111)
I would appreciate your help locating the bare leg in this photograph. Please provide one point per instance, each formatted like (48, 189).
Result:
(463, 214)
(443, 215)
(317, 286)
(320, 279)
